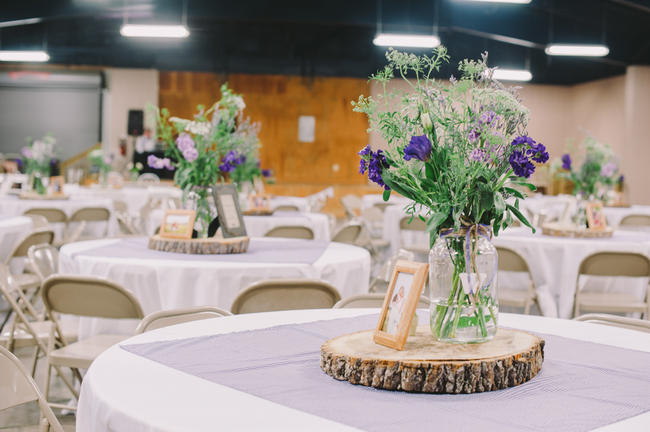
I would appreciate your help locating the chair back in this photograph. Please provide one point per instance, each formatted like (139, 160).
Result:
(285, 294)
(615, 264)
(291, 231)
(43, 236)
(89, 296)
(616, 321)
(511, 261)
(386, 271)
(381, 206)
(166, 318)
(286, 208)
(38, 221)
(636, 220)
(375, 300)
(120, 206)
(416, 224)
(148, 179)
(18, 387)
(90, 214)
(53, 215)
(348, 234)
(44, 259)
(351, 205)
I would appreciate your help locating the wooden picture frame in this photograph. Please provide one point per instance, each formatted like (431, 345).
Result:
(596, 216)
(56, 185)
(178, 224)
(400, 304)
(226, 198)
(259, 203)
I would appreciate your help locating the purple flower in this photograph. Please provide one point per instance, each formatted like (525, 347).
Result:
(363, 166)
(267, 173)
(190, 154)
(608, 169)
(538, 153)
(167, 164)
(376, 166)
(419, 148)
(157, 163)
(486, 118)
(365, 151)
(621, 179)
(478, 155)
(520, 164)
(230, 161)
(184, 143)
(566, 161)
(474, 135)
(27, 152)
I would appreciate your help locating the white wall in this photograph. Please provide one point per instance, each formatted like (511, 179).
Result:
(127, 89)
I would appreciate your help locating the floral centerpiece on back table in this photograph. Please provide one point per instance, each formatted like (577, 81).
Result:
(459, 150)
(37, 161)
(206, 150)
(100, 163)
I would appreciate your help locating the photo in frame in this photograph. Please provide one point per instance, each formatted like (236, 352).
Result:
(178, 224)
(56, 185)
(595, 216)
(226, 199)
(404, 291)
(259, 202)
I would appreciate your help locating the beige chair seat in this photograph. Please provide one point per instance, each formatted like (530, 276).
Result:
(81, 354)
(22, 338)
(611, 302)
(27, 281)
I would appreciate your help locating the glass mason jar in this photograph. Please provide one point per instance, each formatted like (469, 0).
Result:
(464, 305)
(36, 182)
(200, 199)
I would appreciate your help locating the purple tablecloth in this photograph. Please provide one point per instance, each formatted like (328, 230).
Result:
(275, 250)
(582, 385)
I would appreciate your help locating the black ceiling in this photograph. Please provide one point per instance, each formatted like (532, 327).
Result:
(331, 38)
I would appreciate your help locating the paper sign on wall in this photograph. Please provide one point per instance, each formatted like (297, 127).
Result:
(306, 128)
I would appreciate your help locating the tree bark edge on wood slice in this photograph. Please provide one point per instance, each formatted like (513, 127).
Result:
(512, 358)
(206, 246)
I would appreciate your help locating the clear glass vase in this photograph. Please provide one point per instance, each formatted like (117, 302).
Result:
(199, 199)
(464, 304)
(36, 182)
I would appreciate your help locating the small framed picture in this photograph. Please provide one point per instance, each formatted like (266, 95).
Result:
(259, 202)
(400, 303)
(595, 216)
(178, 224)
(56, 185)
(226, 198)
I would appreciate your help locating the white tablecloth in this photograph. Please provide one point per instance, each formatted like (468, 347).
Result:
(135, 197)
(615, 215)
(125, 392)
(554, 262)
(14, 206)
(370, 200)
(12, 230)
(161, 284)
(257, 226)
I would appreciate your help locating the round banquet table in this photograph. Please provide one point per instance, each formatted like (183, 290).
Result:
(14, 206)
(124, 391)
(12, 230)
(554, 263)
(258, 226)
(163, 280)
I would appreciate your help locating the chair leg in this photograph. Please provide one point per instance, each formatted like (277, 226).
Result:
(527, 307)
(38, 350)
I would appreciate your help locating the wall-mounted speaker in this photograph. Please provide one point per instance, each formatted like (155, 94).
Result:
(135, 124)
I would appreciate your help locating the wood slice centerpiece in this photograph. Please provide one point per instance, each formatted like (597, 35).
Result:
(257, 212)
(203, 246)
(425, 365)
(564, 230)
(35, 196)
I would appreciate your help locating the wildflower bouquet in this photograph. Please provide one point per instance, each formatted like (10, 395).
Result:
(37, 159)
(460, 152)
(207, 149)
(597, 173)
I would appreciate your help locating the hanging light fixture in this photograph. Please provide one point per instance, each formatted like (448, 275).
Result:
(406, 40)
(23, 56)
(521, 75)
(577, 50)
(154, 31)
(499, 1)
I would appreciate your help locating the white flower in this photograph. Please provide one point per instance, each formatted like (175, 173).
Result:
(139, 166)
(129, 166)
(198, 128)
(239, 103)
(427, 124)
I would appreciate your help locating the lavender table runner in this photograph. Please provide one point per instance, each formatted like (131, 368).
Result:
(259, 251)
(582, 385)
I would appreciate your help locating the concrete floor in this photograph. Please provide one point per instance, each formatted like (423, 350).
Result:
(26, 417)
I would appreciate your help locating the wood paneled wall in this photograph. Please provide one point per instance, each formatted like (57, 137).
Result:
(276, 101)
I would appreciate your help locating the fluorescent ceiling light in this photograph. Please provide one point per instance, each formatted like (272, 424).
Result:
(24, 56)
(512, 75)
(154, 31)
(577, 50)
(502, 1)
(406, 40)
